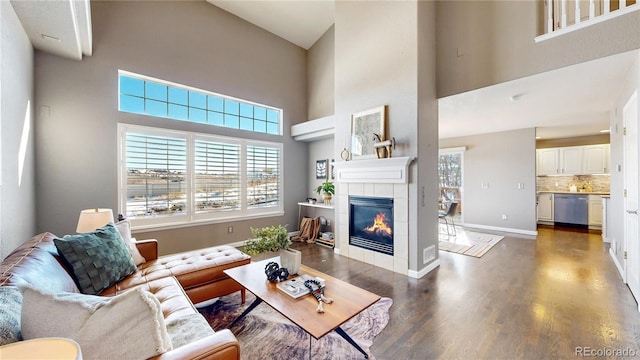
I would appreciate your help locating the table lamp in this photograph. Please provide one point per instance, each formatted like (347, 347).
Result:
(42, 348)
(91, 219)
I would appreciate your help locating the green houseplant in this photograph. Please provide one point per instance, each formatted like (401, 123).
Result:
(274, 238)
(269, 238)
(326, 189)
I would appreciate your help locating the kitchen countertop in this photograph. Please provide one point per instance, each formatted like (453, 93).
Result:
(576, 193)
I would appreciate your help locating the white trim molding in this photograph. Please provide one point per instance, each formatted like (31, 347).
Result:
(507, 230)
(312, 130)
(453, 150)
(378, 171)
(429, 268)
(623, 275)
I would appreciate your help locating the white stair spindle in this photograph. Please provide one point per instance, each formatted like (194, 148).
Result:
(607, 7)
(549, 16)
(578, 16)
(592, 9)
(563, 15)
(623, 4)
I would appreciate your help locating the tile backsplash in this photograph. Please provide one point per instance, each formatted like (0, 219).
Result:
(599, 183)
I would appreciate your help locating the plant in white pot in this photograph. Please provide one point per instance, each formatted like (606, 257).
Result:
(326, 189)
(274, 238)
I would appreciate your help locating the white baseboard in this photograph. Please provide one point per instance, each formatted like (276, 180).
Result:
(496, 228)
(618, 266)
(418, 274)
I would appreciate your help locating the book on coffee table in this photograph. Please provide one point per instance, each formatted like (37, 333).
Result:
(294, 286)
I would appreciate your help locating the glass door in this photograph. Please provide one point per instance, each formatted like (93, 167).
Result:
(450, 170)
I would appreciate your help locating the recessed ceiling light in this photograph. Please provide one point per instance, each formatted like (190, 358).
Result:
(49, 37)
(606, 131)
(516, 97)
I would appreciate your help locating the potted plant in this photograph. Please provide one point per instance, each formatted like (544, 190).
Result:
(274, 238)
(326, 189)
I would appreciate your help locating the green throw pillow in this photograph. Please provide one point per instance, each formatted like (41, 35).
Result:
(98, 258)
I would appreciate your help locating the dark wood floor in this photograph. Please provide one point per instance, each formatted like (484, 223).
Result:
(525, 299)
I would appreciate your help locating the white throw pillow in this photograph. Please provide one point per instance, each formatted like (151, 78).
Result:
(126, 326)
(124, 228)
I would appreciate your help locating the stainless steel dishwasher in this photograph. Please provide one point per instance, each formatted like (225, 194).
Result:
(571, 209)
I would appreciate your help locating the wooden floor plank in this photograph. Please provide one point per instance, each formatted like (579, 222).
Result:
(528, 298)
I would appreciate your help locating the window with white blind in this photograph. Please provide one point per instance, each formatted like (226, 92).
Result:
(217, 176)
(263, 172)
(172, 177)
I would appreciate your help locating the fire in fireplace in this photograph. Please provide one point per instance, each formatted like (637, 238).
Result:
(371, 223)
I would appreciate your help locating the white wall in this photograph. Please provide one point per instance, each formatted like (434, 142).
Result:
(500, 161)
(321, 76)
(321, 100)
(385, 55)
(615, 212)
(423, 211)
(17, 190)
(496, 42)
(318, 150)
(188, 42)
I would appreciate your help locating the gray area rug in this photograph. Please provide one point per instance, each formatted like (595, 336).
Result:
(265, 334)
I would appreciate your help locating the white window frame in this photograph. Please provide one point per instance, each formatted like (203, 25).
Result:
(203, 92)
(452, 151)
(191, 217)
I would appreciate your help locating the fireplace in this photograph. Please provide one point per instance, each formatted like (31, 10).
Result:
(371, 223)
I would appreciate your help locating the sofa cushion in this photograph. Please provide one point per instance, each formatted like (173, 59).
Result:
(124, 228)
(98, 258)
(37, 262)
(127, 326)
(187, 329)
(173, 300)
(192, 268)
(10, 309)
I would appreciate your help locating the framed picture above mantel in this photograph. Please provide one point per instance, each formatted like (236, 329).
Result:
(365, 125)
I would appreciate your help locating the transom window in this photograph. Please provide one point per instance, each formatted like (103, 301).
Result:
(145, 95)
(169, 177)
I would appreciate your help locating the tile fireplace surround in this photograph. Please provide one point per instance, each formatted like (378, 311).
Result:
(378, 178)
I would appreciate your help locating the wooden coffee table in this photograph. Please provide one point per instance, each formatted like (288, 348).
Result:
(348, 300)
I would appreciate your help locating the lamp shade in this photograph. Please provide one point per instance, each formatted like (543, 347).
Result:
(91, 219)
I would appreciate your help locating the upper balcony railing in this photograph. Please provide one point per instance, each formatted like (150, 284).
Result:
(563, 16)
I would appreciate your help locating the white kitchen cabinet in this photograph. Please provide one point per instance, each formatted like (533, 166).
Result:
(595, 211)
(548, 161)
(571, 160)
(596, 159)
(545, 207)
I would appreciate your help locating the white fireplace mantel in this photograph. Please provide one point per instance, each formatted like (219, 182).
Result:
(389, 170)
